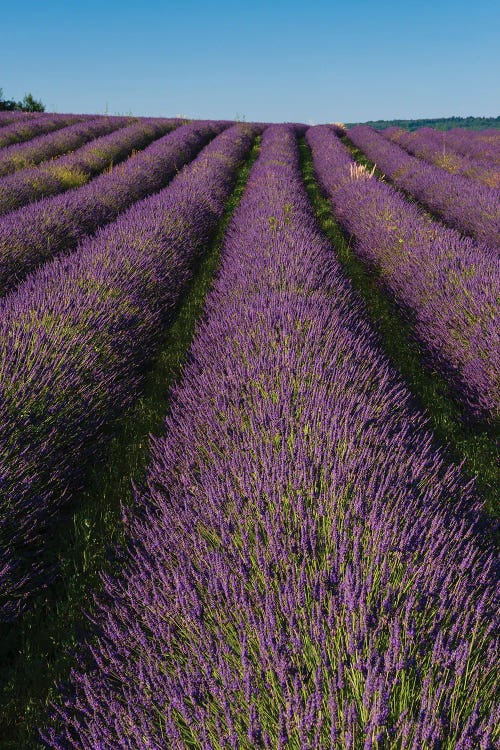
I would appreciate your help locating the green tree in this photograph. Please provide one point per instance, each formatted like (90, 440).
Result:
(8, 104)
(30, 104)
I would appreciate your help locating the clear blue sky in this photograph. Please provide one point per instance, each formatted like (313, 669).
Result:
(304, 61)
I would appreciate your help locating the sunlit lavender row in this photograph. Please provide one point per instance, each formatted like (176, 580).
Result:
(24, 130)
(303, 570)
(36, 150)
(437, 148)
(75, 337)
(446, 283)
(8, 117)
(483, 145)
(470, 207)
(77, 167)
(41, 230)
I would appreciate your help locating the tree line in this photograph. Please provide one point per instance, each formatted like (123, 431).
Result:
(28, 104)
(439, 123)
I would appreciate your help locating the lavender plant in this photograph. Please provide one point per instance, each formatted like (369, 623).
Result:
(471, 208)
(483, 145)
(37, 232)
(23, 129)
(446, 283)
(76, 168)
(25, 155)
(436, 147)
(74, 340)
(10, 116)
(303, 569)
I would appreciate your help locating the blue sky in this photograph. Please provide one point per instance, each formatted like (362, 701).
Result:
(279, 61)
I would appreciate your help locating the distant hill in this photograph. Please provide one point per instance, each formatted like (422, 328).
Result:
(440, 123)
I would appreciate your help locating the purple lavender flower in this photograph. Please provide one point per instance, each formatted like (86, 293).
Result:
(75, 336)
(292, 453)
(24, 129)
(35, 233)
(468, 206)
(446, 284)
(442, 149)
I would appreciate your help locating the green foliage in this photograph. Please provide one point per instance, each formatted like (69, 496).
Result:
(70, 178)
(8, 105)
(439, 123)
(28, 104)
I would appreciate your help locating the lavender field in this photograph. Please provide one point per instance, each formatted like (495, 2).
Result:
(249, 417)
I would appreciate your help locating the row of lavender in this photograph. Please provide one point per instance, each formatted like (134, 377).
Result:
(436, 147)
(24, 130)
(302, 569)
(468, 206)
(7, 117)
(41, 230)
(77, 167)
(483, 145)
(444, 281)
(36, 150)
(75, 336)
